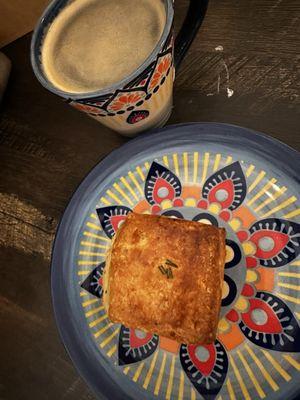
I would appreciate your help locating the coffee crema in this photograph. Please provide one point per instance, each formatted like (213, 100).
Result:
(93, 44)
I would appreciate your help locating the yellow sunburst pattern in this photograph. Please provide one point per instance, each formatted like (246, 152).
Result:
(251, 371)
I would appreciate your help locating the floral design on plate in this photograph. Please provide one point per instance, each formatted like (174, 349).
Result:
(94, 282)
(135, 345)
(206, 366)
(256, 248)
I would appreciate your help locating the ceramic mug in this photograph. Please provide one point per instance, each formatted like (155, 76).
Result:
(142, 100)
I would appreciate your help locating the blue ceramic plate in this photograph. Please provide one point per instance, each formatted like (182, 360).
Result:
(218, 174)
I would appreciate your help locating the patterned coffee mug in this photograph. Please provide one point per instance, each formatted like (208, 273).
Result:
(142, 100)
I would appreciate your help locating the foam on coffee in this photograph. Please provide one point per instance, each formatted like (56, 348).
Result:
(95, 43)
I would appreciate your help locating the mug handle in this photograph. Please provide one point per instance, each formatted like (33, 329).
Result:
(191, 24)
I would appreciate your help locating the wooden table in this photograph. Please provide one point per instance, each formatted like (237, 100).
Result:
(47, 148)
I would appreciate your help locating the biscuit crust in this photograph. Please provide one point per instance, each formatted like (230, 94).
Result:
(140, 291)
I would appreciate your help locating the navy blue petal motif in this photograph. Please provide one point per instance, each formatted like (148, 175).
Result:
(227, 187)
(161, 184)
(93, 283)
(111, 218)
(277, 241)
(135, 345)
(206, 367)
(269, 323)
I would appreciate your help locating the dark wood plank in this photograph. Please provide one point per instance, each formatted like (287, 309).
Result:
(261, 27)
(46, 148)
(260, 41)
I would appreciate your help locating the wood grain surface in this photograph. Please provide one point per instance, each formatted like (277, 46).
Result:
(46, 148)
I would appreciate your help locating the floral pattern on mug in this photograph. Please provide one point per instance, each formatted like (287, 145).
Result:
(125, 100)
(137, 116)
(163, 66)
(141, 90)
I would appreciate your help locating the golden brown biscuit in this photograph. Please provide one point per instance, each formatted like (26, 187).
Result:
(165, 276)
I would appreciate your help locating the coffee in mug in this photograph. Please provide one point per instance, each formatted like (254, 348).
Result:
(94, 43)
(114, 60)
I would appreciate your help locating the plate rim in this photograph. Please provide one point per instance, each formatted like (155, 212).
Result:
(66, 337)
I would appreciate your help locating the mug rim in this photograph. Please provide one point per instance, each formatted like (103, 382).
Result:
(38, 34)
